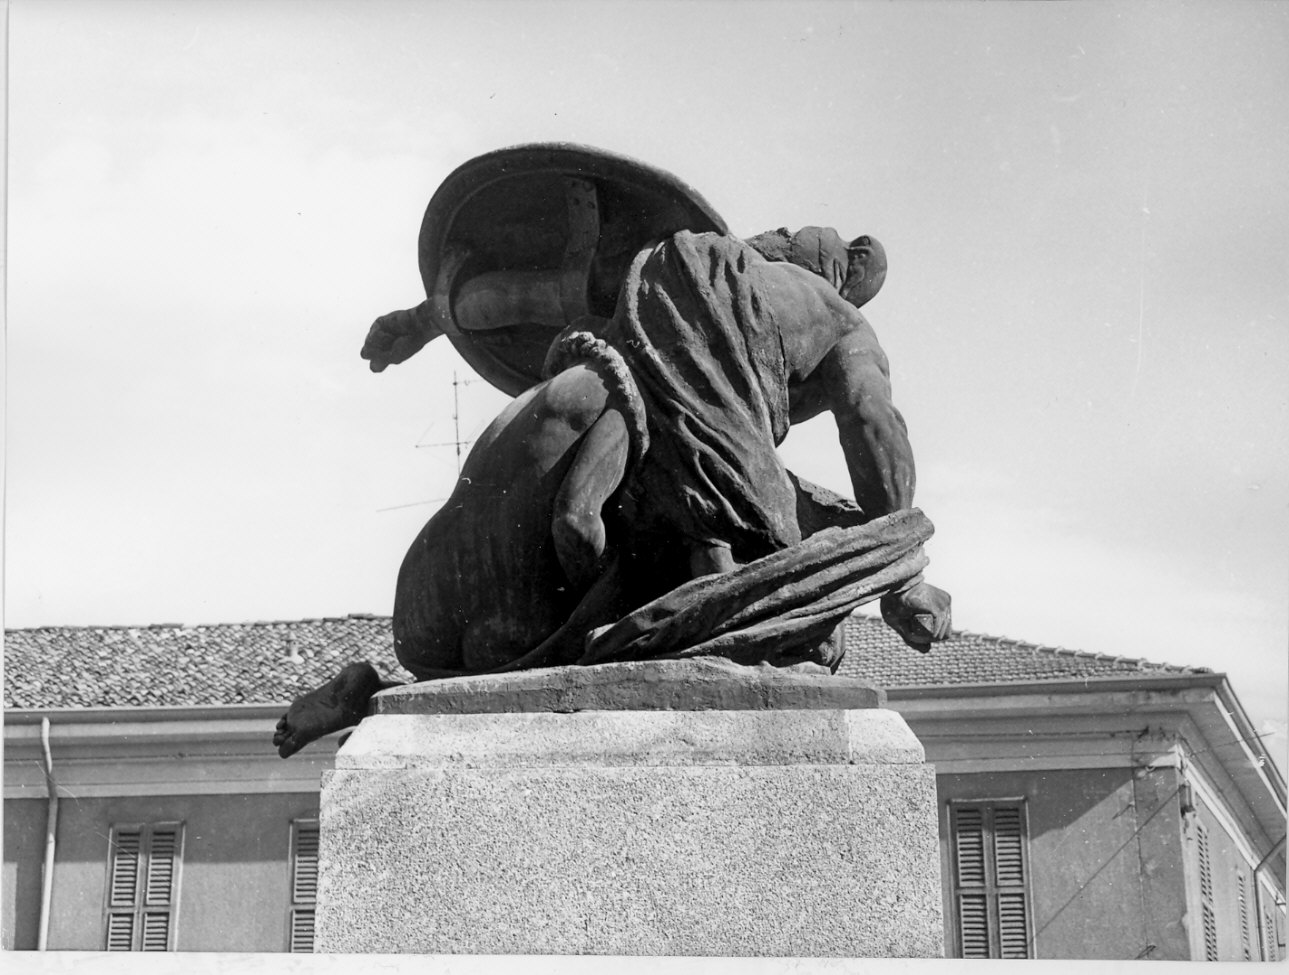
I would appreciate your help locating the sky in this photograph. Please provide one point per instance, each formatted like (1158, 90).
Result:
(1086, 314)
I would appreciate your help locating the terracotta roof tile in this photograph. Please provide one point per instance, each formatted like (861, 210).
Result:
(227, 663)
(875, 653)
(266, 663)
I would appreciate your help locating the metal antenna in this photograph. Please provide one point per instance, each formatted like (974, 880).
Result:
(456, 418)
(456, 440)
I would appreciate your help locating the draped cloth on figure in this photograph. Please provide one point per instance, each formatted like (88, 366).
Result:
(779, 609)
(697, 326)
(701, 326)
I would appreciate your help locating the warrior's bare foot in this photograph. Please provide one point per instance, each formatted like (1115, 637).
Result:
(920, 615)
(337, 704)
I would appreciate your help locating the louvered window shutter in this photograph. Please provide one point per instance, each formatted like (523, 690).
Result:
(142, 875)
(122, 888)
(973, 904)
(1207, 916)
(156, 931)
(1246, 941)
(1210, 932)
(304, 884)
(120, 931)
(991, 880)
(302, 929)
(1272, 949)
(1009, 874)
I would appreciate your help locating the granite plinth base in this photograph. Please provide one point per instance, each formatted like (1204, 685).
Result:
(802, 832)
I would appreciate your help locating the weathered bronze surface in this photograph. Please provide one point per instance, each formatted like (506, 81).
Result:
(630, 504)
(701, 684)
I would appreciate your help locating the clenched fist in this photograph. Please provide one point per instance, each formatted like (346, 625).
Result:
(396, 337)
(920, 615)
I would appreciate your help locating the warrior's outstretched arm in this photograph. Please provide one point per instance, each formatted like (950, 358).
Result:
(396, 337)
(874, 438)
(487, 301)
(875, 441)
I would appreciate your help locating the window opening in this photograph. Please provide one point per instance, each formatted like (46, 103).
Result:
(991, 890)
(142, 889)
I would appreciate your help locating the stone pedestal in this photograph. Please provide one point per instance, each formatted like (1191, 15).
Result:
(806, 830)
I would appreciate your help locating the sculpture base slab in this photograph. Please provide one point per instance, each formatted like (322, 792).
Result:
(776, 832)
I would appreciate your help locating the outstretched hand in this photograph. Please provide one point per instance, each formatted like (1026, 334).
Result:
(394, 338)
(920, 615)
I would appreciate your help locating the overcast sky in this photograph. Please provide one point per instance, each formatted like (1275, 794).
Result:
(1087, 311)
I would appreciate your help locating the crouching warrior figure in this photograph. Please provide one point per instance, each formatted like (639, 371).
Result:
(630, 503)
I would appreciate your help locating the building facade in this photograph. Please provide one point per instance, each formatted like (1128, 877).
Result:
(1090, 806)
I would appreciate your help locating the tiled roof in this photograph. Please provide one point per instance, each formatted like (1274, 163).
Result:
(226, 663)
(874, 652)
(267, 663)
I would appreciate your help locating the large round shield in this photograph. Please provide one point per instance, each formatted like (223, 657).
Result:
(571, 216)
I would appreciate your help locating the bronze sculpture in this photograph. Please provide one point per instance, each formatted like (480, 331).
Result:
(629, 503)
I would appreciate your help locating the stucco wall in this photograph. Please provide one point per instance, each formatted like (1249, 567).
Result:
(1106, 859)
(1227, 864)
(24, 853)
(234, 892)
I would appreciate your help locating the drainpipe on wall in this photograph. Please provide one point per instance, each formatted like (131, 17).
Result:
(51, 833)
(1257, 896)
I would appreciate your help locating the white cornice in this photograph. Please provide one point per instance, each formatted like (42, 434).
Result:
(158, 751)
